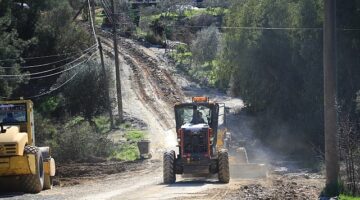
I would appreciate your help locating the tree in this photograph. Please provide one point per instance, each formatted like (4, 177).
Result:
(11, 48)
(85, 95)
(278, 73)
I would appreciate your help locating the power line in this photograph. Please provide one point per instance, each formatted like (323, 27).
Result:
(50, 75)
(53, 74)
(46, 71)
(48, 56)
(50, 63)
(58, 87)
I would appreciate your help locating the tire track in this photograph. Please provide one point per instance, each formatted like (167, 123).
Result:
(148, 94)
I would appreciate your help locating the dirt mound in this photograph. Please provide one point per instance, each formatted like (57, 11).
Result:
(76, 173)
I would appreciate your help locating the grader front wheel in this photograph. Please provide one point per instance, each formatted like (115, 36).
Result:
(169, 167)
(223, 164)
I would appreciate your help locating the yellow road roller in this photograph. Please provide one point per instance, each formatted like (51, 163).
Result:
(23, 166)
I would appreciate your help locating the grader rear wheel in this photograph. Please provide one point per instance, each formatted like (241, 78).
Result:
(223, 164)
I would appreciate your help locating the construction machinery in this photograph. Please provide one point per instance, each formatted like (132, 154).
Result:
(23, 166)
(202, 141)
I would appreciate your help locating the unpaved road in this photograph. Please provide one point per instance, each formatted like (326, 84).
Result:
(150, 88)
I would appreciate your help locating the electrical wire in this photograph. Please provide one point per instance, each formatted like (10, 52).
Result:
(50, 63)
(46, 71)
(48, 56)
(60, 86)
(65, 70)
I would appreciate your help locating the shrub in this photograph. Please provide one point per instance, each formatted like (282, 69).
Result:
(78, 140)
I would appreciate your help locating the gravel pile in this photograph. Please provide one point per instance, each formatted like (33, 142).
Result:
(278, 189)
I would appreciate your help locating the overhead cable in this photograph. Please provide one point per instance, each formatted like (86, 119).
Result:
(65, 70)
(43, 72)
(50, 63)
(63, 84)
(48, 56)
(58, 87)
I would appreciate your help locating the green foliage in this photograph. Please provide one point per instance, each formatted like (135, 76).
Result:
(346, 197)
(102, 124)
(74, 139)
(85, 95)
(49, 105)
(134, 136)
(126, 152)
(45, 130)
(78, 140)
(56, 33)
(99, 17)
(129, 151)
(206, 45)
(182, 57)
(278, 73)
(11, 47)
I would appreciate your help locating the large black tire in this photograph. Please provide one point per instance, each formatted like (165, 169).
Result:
(34, 183)
(169, 167)
(223, 163)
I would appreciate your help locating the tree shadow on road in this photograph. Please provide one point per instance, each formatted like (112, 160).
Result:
(10, 194)
(193, 183)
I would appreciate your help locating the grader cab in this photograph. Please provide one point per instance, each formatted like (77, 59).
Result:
(202, 141)
(23, 166)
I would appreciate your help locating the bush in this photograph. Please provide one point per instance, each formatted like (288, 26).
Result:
(86, 94)
(77, 140)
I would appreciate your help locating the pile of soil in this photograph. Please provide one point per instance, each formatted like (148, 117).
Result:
(75, 173)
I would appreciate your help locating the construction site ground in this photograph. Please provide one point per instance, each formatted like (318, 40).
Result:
(150, 86)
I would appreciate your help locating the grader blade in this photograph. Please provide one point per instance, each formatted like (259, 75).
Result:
(241, 168)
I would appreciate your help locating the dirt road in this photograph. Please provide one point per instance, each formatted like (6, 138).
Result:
(150, 88)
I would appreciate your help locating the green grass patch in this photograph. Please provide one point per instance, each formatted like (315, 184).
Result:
(129, 151)
(126, 152)
(135, 135)
(345, 197)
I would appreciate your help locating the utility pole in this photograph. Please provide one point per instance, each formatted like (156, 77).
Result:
(92, 3)
(330, 116)
(117, 65)
(106, 85)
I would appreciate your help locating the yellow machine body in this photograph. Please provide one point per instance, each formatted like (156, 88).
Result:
(14, 138)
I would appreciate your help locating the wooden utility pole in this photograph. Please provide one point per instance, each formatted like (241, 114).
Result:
(117, 63)
(330, 116)
(92, 4)
(106, 85)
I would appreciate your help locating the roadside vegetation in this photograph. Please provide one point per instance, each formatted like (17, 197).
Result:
(228, 45)
(71, 120)
(277, 72)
